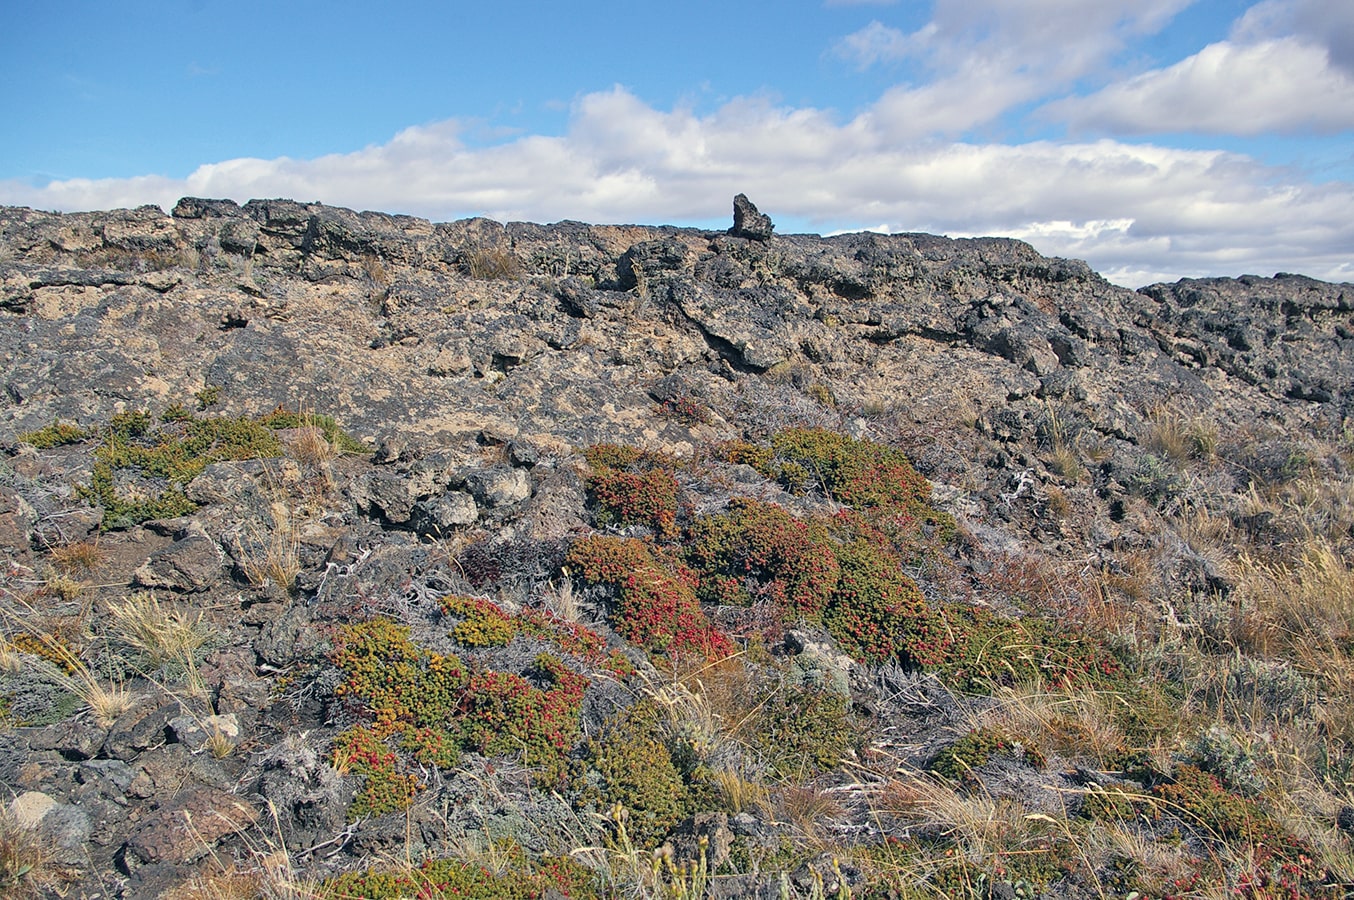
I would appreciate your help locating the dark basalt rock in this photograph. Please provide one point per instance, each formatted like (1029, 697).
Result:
(748, 223)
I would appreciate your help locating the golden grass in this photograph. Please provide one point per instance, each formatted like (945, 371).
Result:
(105, 702)
(218, 745)
(62, 585)
(309, 446)
(1181, 438)
(740, 794)
(273, 554)
(263, 876)
(690, 716)
(82, 557)
(492, 265)
(806, 808)
(1077, 723)
(156, 630)
(559, 598)
(11, 663)
(26, 868)
(55, 659)
(979, 824)
(1156, 863)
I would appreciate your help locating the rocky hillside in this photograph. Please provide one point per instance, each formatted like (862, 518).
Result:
(348, 554)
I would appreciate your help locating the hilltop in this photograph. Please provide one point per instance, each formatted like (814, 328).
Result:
(349, 554)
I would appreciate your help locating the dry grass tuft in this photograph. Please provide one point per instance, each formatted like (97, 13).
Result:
(807, 808)
(309, 446)
(161, 633)
(106, 703)
(10, 661)
(1156, 863)
(268, 876)
(62, 585)
(560, 599)
(218, 745)
(741, 794)
(1078, 723)
(1302, 610)
(492, 265)
(52, 656)
(78, 558)
(273, 556)
(977, 823)
(1180, 438)
(26, 868)
(690, 717)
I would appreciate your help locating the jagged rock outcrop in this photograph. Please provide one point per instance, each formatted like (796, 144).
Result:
(475, 360)
(748, 223)
(378, 319)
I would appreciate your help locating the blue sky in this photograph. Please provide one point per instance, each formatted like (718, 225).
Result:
(1157, 139)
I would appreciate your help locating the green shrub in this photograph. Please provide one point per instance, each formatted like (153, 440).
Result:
(804, 729)
(1277, 862)
(362, 751)
(631, 487)
(876, 612)
(686, 410)
(169, 455)
(436, 707)
(758, 551)
(452, 878)
(55, 435)
(876, 481)
(976, 748)
(656, 605)
(861, 474)
(482, 623)
(1282, 864)
(745, 453)
(503, 713)
(632, 767)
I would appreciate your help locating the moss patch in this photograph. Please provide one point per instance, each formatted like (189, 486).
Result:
(141, 465)
(445, 878)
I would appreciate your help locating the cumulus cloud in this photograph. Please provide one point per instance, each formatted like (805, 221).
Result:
(1136, 212)
(989, 56)
(1320, 22)
(1283, 85)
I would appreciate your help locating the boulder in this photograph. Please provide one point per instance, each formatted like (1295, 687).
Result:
(193, 563)
(189, 827)
(498, 485)
(748, 223)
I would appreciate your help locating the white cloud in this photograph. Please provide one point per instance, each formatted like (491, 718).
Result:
(989, 56)
(1134, 211)
(1322, 22)
(1281, 85)
(877, 42)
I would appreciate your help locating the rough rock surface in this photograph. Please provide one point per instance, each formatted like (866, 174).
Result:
(475, 394)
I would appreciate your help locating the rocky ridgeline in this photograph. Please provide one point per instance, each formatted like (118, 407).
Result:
(475, 361)
(559, 333)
